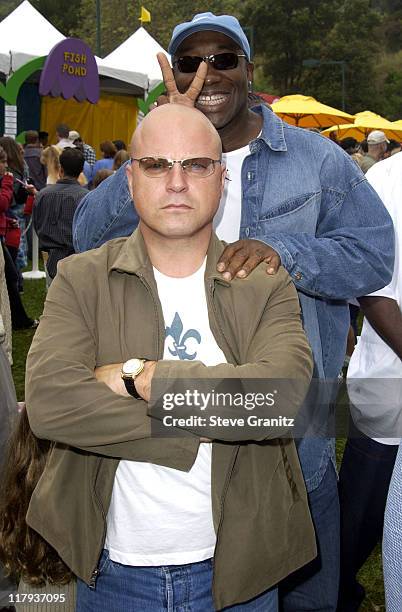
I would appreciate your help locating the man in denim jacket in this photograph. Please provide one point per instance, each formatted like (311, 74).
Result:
(303, 203)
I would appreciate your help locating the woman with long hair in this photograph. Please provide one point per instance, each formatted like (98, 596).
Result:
(26, 556)
(50, 159)
(18, 167)
(8, 412)
(20, 319)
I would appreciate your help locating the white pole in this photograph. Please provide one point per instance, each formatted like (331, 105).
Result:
(10, 120)
(35, 273)
(10, 110)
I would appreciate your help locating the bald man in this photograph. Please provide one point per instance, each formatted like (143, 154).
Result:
(193, 518)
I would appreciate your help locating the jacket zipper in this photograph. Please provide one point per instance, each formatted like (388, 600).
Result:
(235, 450)
(95, 573)
(224, 491)
(210, 299)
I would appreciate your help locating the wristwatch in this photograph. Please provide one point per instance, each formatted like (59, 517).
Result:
(129, 372)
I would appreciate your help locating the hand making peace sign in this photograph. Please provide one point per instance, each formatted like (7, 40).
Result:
(173, 95)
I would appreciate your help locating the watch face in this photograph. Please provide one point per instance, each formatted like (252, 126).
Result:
(132, 367)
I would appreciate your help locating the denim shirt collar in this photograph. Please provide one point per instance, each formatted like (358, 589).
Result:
(272, 131)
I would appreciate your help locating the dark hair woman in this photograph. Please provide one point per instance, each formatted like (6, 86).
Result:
(9, 224)
(24, 553)
(108, 149)
(14, 155)
(19, 169)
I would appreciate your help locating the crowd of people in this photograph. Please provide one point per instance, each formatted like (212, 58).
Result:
(226, 250)
(26, 171)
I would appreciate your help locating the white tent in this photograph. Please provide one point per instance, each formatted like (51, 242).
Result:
(138, 53)
(26, 34)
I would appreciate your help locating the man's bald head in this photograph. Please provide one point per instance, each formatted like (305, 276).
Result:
(182, 130)
(176, 204)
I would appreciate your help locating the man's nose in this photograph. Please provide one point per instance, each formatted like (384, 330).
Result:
(213, 75)
(176, 179)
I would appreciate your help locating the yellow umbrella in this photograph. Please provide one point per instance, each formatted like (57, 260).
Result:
(305, 111)
(365, 123)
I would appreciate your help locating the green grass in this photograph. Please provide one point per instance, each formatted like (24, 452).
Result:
(33, 298)
(370, 576)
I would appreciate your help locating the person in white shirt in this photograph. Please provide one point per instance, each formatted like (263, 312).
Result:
(221, 529)
(374, 382)
(62, 135)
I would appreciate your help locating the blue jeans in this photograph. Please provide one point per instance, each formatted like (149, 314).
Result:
(170, 588)
(314, 587)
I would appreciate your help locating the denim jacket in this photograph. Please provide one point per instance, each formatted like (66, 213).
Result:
(308, 199)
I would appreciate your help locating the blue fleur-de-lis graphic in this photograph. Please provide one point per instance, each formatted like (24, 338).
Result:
(175, 330)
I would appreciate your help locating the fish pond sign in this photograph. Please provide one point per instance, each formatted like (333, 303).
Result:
(70, 71)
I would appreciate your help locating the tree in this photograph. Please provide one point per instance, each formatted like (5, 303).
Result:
(7, 6)
(352, 39)
(63, 15)
(120, 19)
(391, 96)
(285, 34)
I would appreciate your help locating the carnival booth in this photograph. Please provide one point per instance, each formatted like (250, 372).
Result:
(26, 38)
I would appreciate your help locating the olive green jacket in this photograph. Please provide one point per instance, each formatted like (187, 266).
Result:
(103, 308)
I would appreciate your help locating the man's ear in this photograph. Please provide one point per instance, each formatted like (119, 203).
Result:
(250, 71)
(129, 175)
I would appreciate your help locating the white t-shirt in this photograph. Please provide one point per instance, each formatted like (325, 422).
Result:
(375, 372)
(158, 515)
(64, 143)
(227, 219)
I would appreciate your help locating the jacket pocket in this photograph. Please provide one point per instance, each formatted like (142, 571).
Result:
(300, 212)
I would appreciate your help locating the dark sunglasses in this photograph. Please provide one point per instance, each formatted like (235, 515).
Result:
(220, 61)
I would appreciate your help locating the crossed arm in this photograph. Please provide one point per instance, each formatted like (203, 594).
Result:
(67, 403)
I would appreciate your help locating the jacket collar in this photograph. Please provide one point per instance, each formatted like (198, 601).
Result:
(67, 180)
(133, 258)
(32, 150)
(272, 131)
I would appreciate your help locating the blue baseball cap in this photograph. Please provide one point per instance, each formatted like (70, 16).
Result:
(226, 24)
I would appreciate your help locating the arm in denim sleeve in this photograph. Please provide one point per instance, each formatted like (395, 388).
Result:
(106, 212)
(352, 252)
